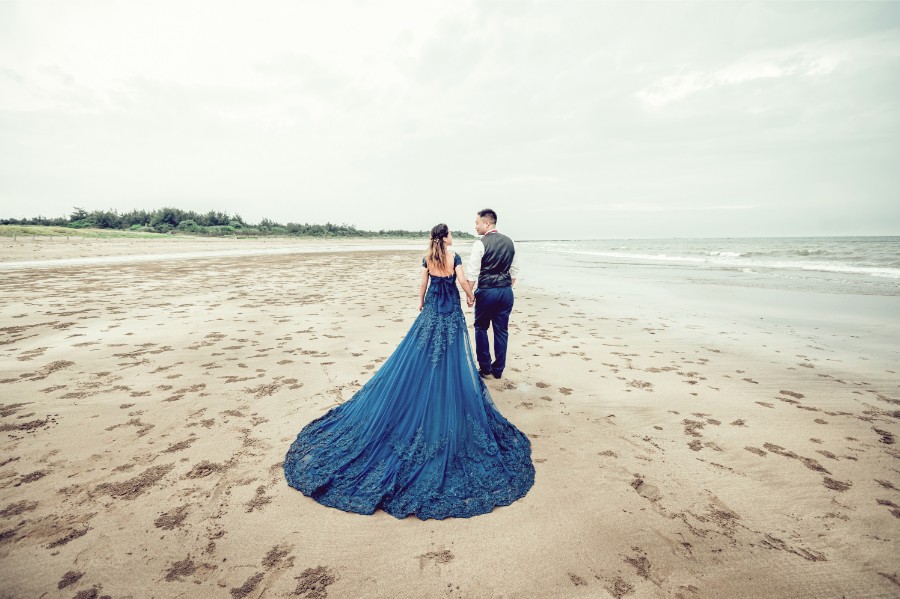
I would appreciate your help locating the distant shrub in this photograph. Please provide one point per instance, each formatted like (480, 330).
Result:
(218, 230)
(213, 223)
(188, 226)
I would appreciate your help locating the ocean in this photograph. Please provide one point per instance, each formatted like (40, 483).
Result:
(846, 265)
(845, 288)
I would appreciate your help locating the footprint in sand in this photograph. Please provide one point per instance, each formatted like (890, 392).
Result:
(248, 587)
(639, 562)
(204, 469)
(640, 385)
(134, 487)
(31, 477)
(314, 582)
(618, 587)
(172, 519)
(17, 508)
(645, 490)
(69, 578)
(278, 557)
(886, 484)
(886, 437)
(186, 567)
(181, 445)
(836, 485)
(808, 462)
(259, 500)
(444, 556)
(895, 509)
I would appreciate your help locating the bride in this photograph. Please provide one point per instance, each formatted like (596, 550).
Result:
(422, 436)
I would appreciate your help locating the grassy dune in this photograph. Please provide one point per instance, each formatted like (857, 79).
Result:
(43, 231)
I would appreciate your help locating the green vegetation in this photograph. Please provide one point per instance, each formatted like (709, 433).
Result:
(42, 231)
(172, 221)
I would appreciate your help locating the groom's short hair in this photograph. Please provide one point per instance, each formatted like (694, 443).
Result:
(489, 215)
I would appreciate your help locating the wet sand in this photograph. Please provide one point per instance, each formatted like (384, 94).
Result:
(147, 406)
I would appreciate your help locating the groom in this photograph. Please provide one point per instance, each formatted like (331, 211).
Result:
(494, 265)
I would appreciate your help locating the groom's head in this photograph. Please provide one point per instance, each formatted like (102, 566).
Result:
(486, 220)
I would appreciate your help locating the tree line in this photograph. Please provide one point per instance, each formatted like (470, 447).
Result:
(212, 223)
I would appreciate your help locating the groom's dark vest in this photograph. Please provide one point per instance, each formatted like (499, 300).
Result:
(498, 256)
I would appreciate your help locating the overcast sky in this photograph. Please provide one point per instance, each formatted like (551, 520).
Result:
(570, 119)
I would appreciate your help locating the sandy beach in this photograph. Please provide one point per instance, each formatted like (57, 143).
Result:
(147, 407)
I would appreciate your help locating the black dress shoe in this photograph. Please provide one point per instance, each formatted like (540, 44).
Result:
(484, 373)
(497, 375)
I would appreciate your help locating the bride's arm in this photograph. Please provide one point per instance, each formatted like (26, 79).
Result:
(422, 288)
(465, 284)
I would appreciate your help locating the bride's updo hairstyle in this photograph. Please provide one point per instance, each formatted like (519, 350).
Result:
(436, 251)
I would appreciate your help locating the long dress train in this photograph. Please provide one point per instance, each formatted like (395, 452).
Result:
(422, 436)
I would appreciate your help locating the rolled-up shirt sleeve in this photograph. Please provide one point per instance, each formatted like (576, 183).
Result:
(514, 267)
(473, 269)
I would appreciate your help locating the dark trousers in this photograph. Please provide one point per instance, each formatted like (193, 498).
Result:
(492, 308)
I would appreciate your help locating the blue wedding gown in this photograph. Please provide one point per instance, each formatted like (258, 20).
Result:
(422, 436)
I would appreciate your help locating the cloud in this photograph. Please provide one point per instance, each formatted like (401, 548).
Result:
(625, 208)
(817, 59)
(685, 83)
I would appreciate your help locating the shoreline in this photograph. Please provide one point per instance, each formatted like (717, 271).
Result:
(148, 406)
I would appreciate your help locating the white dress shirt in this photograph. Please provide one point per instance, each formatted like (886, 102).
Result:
(474, 268)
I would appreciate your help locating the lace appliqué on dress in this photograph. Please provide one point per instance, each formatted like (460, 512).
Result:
(431, 480)
(438, 331)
